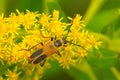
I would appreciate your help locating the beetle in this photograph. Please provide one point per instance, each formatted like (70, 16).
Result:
(48, 49)
(45, 51)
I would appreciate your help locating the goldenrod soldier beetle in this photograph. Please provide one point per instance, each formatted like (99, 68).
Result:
(45, 51)
(48, 49)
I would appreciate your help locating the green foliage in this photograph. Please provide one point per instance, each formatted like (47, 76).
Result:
(100, 20)
(104, 58)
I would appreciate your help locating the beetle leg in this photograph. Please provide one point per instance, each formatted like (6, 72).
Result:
(42, 63)
(41, 43)
(29, 60)
(32, 47)
(35, 45)
(51, 38)
(58, 53)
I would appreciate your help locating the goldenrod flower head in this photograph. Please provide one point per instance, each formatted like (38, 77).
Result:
(19, 32)
(65, 61)
(55, 15)
(94, 41)
(44, 20)
(76, 22)
(13, 75)
(2, 20)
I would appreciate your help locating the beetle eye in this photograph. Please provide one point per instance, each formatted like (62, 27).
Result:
(58, 43)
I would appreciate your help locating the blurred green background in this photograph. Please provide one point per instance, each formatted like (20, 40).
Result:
(100, 16)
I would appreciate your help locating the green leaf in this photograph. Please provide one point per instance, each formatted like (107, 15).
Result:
(118, 63)
(72, 7)
(31, 5)
(2, 6)
(110, 4)
(115, 44)
(112, 30)
(78, 74)
(101, 20)
(104, 58)
(56, 73)
(104, 74)
(22, 5)
(3, 68)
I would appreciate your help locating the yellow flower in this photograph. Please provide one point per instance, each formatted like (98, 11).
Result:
(9, 41)
(64, 61)
(19, 32)
(13, 75)
(14, 20)
(23, 53)
(29, 19)
(2, 32)
(29, 41)
(93, 41)
(1, 53)
(68, 48)
(57, 27)
(75, 34)
(76, 22)
(55, 15)
(2, 20)
(44, 20)
(80, 55)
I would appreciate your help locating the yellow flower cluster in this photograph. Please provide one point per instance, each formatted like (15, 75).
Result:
(24, 30)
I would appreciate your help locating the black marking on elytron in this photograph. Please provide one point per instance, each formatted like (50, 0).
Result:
(39, 59)
(58, 43)
(38, 52)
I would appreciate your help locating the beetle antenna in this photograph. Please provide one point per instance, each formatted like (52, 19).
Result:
(68, 31)
(76, 44)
